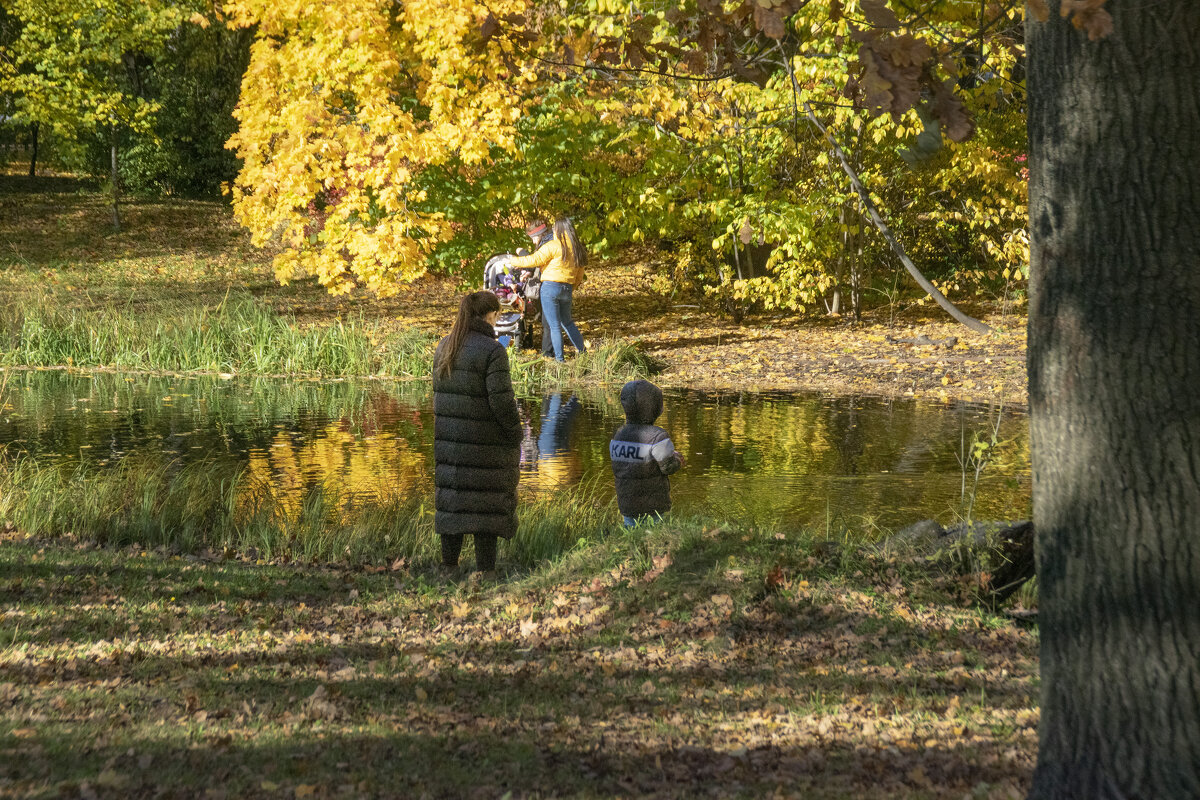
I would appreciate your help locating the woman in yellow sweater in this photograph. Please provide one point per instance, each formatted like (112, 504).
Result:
(561, 259)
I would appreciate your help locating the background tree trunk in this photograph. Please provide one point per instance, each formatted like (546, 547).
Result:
(1114, 394)
(33, 147)
(833, 305)
(116, 192)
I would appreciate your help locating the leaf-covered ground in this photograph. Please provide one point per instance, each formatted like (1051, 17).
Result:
(700, 348)
(56, 247)
(680, 663)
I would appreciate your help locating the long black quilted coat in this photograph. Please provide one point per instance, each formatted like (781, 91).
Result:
(477, 437)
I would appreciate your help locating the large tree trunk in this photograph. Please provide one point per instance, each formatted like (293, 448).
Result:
(1114, 395)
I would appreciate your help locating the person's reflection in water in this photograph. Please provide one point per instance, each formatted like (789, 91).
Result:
(529, 451)
(558, 464)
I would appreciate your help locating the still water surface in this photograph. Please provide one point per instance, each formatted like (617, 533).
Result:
(786, 460)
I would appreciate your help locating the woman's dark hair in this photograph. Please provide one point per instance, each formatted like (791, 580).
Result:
(476, 305)
(572, 251)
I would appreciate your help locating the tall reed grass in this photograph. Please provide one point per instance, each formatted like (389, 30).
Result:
(608, 361)
(240, 336)
(213, 505)
(243, 336)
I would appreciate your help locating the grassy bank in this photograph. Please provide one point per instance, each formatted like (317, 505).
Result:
(681, 660)
(241, 336)
(181, 290)
(58, 252)
(209, 506)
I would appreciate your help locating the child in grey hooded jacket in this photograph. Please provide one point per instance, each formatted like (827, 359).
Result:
(642, 455)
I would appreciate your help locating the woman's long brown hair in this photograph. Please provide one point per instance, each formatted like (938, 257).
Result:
(572, 249)
(476, 305)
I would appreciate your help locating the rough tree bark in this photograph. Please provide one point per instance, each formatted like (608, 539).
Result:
(1114, 391)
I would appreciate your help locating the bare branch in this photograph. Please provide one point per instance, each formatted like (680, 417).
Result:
(886, 232)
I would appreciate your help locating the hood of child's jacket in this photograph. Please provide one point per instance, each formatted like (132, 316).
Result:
(642, 401)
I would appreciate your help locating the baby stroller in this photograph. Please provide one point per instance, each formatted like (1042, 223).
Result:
(520, 310)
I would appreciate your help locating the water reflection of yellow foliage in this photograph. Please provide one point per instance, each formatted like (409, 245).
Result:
(558, 471)
(354, 469)
(776, 438)
(814, 461)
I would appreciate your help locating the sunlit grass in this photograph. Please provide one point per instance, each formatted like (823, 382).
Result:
(242, 336)
(182, 290)
(607, 361)
(238, 336)
(213, 505)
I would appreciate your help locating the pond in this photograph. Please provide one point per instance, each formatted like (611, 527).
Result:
(786, 460)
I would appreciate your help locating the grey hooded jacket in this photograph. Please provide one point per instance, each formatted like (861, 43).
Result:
(642, 454)
(476, 441)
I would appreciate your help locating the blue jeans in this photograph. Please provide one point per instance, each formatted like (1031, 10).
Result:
(556, 316)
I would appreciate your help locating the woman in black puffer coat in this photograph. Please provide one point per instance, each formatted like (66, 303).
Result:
(477, 435)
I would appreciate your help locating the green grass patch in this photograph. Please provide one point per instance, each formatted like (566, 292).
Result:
(242, 336)
(609, 361)
(239, 335)
(212, 506)
(181, 290)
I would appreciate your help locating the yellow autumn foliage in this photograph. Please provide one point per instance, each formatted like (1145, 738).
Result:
(342, 106)
(378, 137)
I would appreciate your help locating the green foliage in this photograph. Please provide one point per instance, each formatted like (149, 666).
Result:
(154, 78)
(77, 67)
(198, 87)
(740, 171)
(382, 155)
(614, 179)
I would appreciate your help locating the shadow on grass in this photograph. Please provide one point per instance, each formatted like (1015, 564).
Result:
(723, 338)
(822, 655)
(18, 185)
(143, 580)
(258, 680)
(488, 759)
(831, 650)
(62, 222)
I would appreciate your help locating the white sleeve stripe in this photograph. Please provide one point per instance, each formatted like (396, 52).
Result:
(663, 450)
